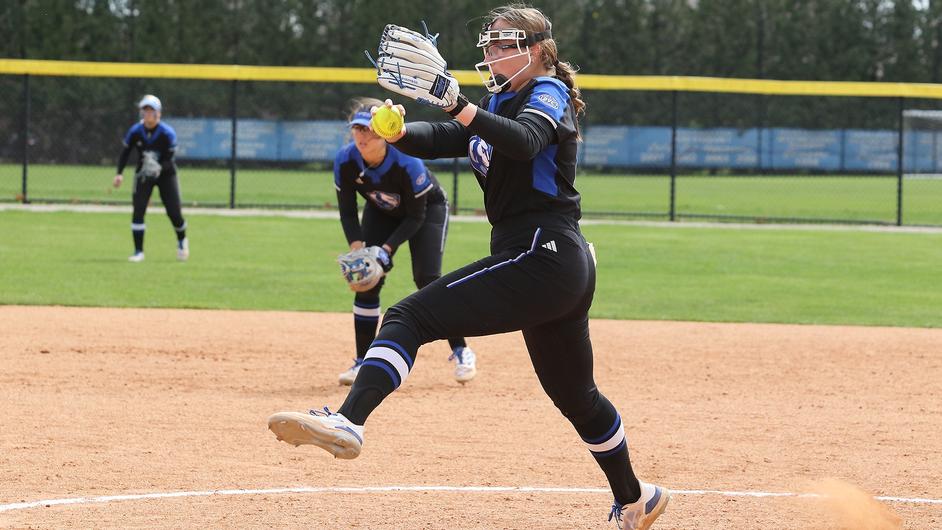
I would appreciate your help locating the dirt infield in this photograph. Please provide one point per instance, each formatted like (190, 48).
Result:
(104, 402)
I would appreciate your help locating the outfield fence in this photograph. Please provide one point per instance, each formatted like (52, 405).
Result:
(668, 148)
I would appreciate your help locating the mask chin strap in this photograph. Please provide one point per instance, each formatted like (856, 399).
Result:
(498, 83)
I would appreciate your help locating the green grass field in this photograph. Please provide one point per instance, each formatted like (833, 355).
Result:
(683, 273)
(857, 199)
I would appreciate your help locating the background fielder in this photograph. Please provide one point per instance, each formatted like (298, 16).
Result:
(155, 143)
(404, 202)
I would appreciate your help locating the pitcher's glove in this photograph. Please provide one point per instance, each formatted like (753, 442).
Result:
(410, 64)
(363, 268)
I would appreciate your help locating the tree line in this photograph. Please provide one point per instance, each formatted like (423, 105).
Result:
(846, 40)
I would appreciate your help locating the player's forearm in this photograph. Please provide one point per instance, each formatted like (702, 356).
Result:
(123, 159)
(406, 229)
(349, 219)
(167, 162)
(351, 228)
(434, 140)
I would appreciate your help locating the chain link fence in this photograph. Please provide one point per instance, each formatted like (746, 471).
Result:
(676, 155)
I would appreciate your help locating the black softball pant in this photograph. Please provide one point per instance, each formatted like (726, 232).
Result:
(169, 194)
(539, 281)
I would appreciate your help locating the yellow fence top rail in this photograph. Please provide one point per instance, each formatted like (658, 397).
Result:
(367, 75)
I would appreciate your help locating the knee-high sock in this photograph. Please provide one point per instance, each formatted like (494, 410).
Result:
(366, 311)
(137, 230)
(181, 232)
(602, 431)
(386, 366)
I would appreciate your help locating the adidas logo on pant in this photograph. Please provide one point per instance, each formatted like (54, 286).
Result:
(550, 246)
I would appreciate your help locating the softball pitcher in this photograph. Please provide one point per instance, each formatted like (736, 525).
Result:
(404, 202)
(522, 140)
(155, 143)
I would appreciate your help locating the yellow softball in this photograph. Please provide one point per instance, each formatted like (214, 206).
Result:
(387, 122)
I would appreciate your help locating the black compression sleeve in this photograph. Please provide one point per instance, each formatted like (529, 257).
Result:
(415, 217)
(166, 161)
(349, 219)
(448, 139)
(123, 159)
(520, 139)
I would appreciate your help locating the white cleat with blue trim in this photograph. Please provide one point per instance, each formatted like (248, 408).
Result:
(348, 376)
(640, 515)
(328, 430)
(466, 365)
(183, 249)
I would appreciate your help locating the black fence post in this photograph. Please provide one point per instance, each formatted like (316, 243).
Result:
(899, 166)
(673, 198)
(26, 118)
(760, 128)
(233, 107)
(454, 180)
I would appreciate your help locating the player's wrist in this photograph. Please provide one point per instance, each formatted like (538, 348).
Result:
(460, 103)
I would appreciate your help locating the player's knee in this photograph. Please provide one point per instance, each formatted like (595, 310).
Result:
(367, 297)
(373, 293)
(421, 280)
(401, 315)
(580, 408)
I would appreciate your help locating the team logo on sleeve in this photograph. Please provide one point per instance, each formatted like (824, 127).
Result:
(421, 180)
(479, 152)
(385, 200)
(548, 100)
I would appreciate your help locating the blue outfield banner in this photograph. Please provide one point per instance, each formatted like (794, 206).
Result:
(778, 149)
(201, 138)
(265, 140)
(312, 140)
(921, 151)
(803, 149)
(869, 150)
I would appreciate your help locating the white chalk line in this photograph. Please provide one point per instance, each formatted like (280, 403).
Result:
(387, 489)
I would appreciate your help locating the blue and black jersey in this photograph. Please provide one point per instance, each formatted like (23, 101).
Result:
(162, 140)
(401, 187)
(523, 152)
(514, 185)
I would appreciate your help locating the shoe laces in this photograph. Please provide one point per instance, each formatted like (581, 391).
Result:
(458, 353)
(356, 363)
(615, 514)
(325, 413)
(623, 520)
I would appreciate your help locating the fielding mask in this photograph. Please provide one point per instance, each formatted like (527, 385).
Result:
(505, 39)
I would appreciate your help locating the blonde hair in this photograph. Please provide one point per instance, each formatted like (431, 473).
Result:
(532, 20)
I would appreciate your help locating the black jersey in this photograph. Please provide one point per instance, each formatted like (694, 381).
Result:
(522, 147)
(400, 187)
(514, 186)
(162, 140)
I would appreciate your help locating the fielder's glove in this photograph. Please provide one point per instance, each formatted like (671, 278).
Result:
(150, 167)
(364, 267)
(409, 64)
